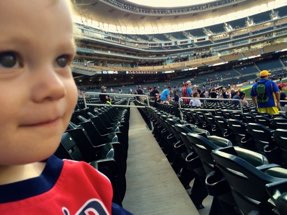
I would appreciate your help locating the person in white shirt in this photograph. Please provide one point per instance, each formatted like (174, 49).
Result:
(195, 102)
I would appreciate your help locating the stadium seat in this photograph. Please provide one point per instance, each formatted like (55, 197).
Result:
(280, 137)
(226, 132)
(94, 134)
(246, 173)
(89, 150)
(279, 122)
(121, 134)
(278, 193)
(262, 119)
(248, 117)
(242, 137)
(189, 160)
(217, 186)
(212, 126)
(199, 119)
(68, 149)
(104, 162)
(263, 139)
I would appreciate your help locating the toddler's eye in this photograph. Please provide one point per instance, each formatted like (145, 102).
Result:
(9, 59)
(63, 61)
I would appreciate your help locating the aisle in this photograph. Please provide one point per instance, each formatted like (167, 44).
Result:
(152, 186)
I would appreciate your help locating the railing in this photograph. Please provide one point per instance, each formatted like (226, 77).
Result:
(130, 98)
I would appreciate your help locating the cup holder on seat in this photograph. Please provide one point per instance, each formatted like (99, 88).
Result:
(216, 184)
(192, 161)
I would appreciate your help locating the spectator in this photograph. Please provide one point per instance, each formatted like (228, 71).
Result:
(225, 94)
(203, 94)
(213, 93)
(189, 89)
(237, 97)
(232, 92)
(195, 102)
(243, 100)
(165, 95)
(175, 96)
(105, 99)
(153, 92)
(265, 94)
(184, 93)
(140, 90)
(156, 99)
(195, 89)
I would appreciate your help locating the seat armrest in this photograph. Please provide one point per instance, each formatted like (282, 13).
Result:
(267, 166)
(277, 172)
(277, 185)
(107, 162)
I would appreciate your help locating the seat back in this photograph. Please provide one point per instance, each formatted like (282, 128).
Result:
(279, 122)
(212, 126)
(224, 128)
(278, 194)
(263, 120)
(262, 135)
(237, 126)
(248, 117)
(200, 120)
(247, 182)
(169, 124)
(203, 147)
(68, 148)
(182, 129)
(280, 137)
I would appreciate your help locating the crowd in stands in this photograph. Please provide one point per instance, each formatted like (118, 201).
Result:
(190, 94)
(193, 95)
(195, 88)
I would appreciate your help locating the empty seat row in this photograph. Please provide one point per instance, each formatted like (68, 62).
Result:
(99, 136)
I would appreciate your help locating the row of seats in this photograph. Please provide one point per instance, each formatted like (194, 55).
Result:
(99, 136)
(274, 121)
(258, 132)
(241, 180)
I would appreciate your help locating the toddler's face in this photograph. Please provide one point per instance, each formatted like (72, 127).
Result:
(37, 90)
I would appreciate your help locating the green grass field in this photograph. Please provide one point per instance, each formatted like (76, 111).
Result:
(247, 90)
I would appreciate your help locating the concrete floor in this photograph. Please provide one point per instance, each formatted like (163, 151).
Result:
(152, 186)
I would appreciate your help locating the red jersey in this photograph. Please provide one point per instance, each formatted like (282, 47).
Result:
(184, 94)
(64, 187)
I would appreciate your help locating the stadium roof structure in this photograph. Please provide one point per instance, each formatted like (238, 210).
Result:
(160, 7)
(112, 40)
(125, 17)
